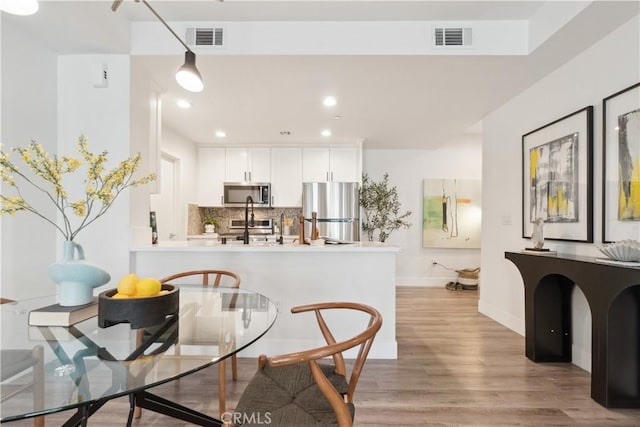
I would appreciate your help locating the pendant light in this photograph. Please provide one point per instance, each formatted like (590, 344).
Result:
(19, 7)
(188, 75)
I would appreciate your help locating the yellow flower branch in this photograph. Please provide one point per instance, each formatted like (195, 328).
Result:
(101, 188)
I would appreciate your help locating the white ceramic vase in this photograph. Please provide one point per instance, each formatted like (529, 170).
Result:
(76, 277)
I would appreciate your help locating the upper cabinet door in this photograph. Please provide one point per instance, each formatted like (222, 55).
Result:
(237, 161)
(344, 164)
(211, 164)
(320, 164)
(315, 164)
(260, 165)
(248, 164)
(286, 177)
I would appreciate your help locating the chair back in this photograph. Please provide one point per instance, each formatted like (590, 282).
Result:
(335, 349)
(216, 278)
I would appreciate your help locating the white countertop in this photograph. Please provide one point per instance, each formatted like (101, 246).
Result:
(209, 245)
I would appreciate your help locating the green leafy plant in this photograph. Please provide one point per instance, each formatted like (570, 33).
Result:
(47, 173)
(381, 208)
(210, 220)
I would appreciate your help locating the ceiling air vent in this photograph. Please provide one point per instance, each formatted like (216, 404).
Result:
(212, 37)
(452, 36)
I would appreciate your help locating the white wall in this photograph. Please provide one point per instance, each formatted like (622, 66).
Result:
(605, 68)
(102, 115)
(334, 38)
(146, 108)
(28, 113)
(184, 152)
(407, 169)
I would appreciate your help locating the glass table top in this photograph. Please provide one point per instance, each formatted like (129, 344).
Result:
(85, 363)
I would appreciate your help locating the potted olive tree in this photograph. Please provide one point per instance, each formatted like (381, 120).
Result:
(210, 223)
(381, 209)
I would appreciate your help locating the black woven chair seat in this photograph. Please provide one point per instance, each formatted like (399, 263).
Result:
(290, 397)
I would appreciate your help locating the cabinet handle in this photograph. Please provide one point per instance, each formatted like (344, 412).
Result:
(272, 199)
(327, 176)
(249, 176)
(331, 176)
(245, 176)
(222, 200)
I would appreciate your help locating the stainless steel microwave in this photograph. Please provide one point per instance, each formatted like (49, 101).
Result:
(236, 193)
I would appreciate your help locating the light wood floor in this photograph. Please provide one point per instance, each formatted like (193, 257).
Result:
(455, 367)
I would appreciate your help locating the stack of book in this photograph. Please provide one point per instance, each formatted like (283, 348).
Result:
(58, 315)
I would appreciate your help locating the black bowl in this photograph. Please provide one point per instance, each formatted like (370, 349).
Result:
(140, 312)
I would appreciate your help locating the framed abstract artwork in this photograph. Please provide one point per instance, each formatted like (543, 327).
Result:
(557, 178)
(451, 213)
(621, 165)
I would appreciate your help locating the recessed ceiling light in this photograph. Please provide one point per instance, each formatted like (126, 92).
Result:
(183, 103)
(19, 7)
(337, 117)
(221, 133)
(326, 132)
(285, 132)
(329, 101)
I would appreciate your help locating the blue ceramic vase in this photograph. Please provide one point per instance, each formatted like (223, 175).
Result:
(76, 277)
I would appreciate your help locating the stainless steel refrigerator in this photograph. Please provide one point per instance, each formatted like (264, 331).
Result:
(337, 207)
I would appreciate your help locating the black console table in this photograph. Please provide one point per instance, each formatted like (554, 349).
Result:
(613, 295)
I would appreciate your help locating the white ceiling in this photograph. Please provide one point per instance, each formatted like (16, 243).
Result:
(418, 101)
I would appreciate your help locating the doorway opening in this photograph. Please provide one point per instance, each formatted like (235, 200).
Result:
(164, 203)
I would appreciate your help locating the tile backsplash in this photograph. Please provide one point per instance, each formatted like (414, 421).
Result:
(196, 214)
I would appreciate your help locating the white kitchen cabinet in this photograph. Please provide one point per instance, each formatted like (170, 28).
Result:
(286, 176)
(330, 164)
(343, 164)
(248, 164)
(211, 175)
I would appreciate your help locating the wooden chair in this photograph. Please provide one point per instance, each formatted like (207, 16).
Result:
(295, 389)
(17, 361)
(215, 278)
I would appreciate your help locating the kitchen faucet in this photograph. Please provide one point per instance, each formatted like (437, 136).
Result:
(281, 238)
(246, 219)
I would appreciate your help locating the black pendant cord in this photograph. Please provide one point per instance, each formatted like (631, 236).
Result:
(116, 4)
(164, 23)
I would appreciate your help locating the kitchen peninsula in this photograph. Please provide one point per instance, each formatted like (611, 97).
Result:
(292, 275)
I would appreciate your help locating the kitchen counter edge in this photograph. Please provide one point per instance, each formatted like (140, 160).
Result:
(201, 246)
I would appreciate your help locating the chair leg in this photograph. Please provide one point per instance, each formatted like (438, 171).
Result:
(222, 386)
(234, 367)
(38, 388)
(137, 411)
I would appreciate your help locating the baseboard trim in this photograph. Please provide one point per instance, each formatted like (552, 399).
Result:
(423, 282)
(504, 318)
(581, 358)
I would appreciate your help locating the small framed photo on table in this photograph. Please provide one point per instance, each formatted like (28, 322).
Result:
(621, 165)
(557, 178)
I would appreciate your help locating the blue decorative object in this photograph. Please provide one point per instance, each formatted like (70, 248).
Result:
(76, 277)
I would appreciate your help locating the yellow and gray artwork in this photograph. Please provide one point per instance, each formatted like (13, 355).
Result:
(629, 166)
(451, 213)
(553, 180)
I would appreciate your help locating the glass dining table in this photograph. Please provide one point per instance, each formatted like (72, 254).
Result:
(84, 366)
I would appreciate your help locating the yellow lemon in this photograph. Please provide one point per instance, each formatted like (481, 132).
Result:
(147, 287)
(127, 284)
(120, 296)
(163, 292)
